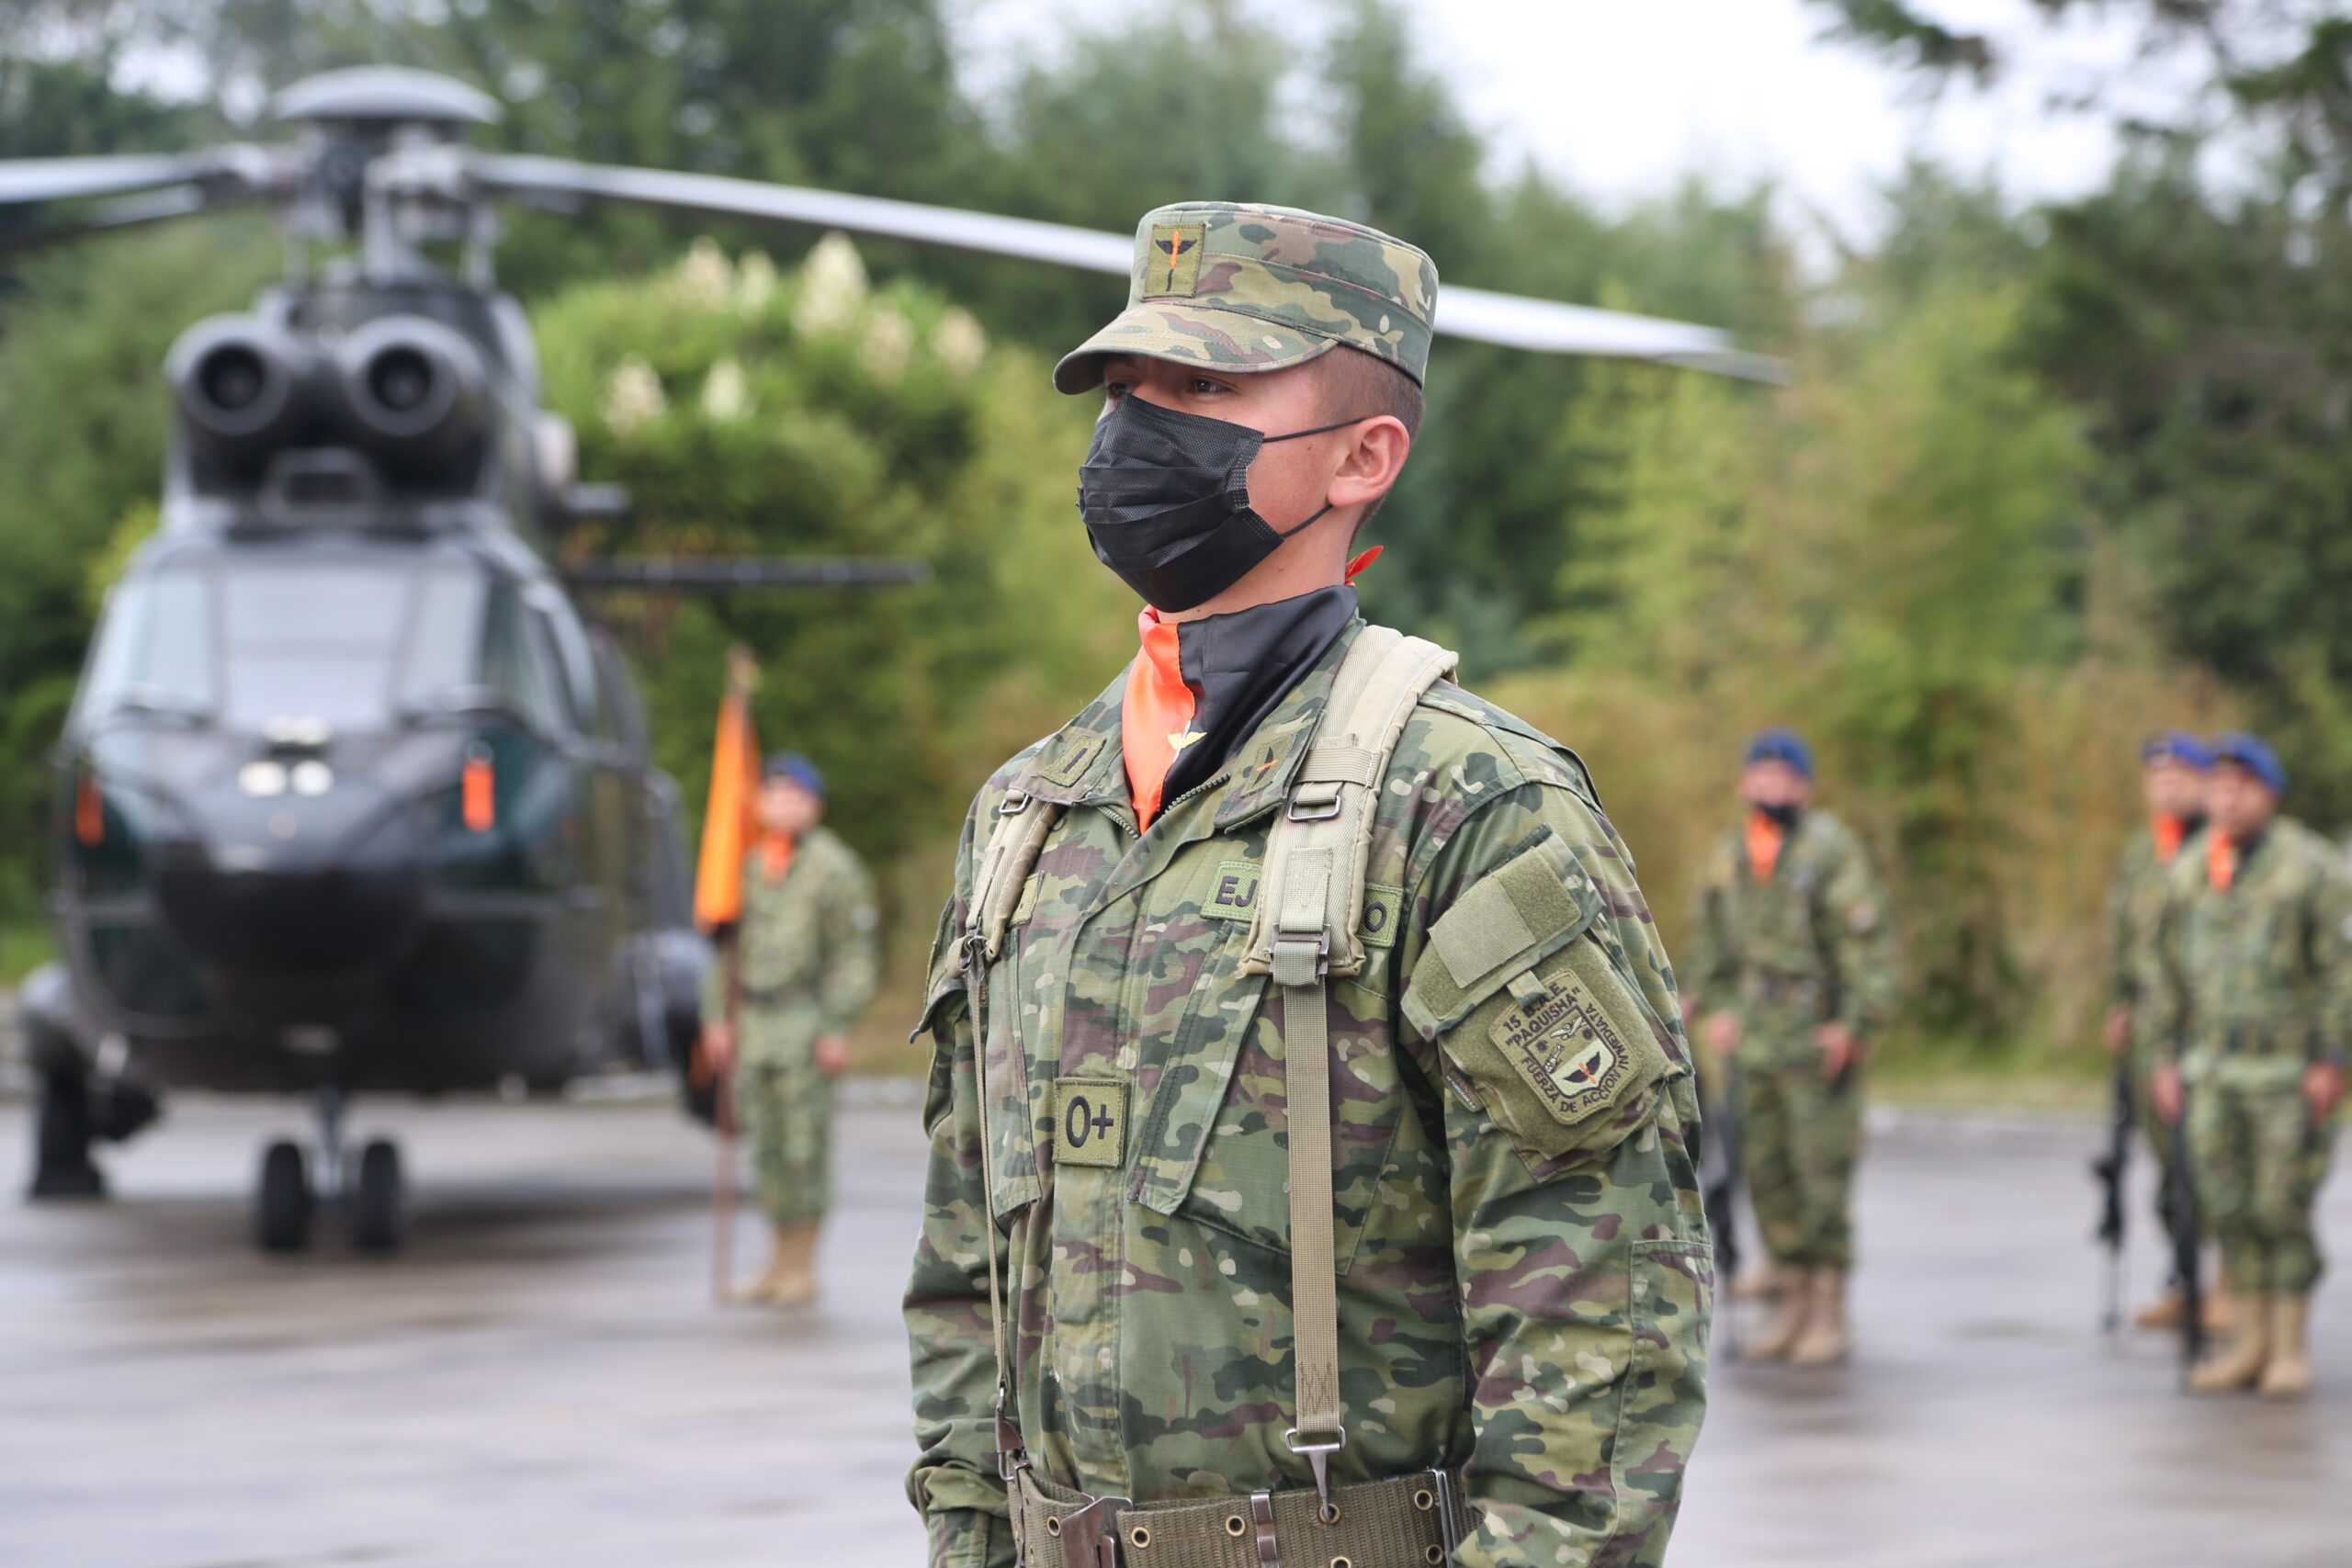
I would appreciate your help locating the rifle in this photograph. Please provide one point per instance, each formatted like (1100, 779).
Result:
(2182, 1221)
(2112, 1170)
(1719, 1185)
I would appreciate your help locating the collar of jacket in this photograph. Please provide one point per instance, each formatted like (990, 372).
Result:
(1083, 764)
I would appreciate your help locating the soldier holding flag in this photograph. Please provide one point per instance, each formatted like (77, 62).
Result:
(797, 923)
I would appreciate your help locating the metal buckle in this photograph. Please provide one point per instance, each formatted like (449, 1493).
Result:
(1448, 1522)
(1261, 1514)
(1314, 803)
(1089, 1536)
(1286, 966)
(1015, 802)
(1319, 1456)
(1012, 1459)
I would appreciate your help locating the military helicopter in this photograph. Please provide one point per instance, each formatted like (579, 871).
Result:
(351, 798)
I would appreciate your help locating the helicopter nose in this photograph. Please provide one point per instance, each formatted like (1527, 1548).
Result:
(300, 886)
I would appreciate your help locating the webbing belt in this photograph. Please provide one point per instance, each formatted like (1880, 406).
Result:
(1408, 1521)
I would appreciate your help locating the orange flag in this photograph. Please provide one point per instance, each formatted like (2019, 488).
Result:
(728, 824)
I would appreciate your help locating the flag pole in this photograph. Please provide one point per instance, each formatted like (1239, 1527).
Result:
(719, 905)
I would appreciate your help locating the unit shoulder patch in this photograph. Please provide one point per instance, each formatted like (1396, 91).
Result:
(1564, 1046)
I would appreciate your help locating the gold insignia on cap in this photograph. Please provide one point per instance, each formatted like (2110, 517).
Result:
(1173, 263)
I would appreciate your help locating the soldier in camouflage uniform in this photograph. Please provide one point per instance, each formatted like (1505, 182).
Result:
(1524, 1280)
(1792, 968)
(808, 967)
(2174, 768)
(2254, 995)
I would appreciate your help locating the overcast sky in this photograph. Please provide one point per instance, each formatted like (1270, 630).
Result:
(1621, 96)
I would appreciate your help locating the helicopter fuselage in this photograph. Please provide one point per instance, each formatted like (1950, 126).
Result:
(356, 811)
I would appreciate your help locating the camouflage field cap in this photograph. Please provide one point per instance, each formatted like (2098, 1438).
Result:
(1249, 288)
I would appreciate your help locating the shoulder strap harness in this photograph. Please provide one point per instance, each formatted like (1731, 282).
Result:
(1309, 908)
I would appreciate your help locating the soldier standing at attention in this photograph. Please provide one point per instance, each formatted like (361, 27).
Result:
(2174, 769)
(1794, 969)
(807, 968)
(2254, 998)
(1311, 1125)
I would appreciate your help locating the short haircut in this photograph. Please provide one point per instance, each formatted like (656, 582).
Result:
(1357, 385)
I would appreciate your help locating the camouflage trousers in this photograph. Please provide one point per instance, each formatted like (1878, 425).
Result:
(2153, 1129)
(2258, 1157)
(783, 1109)
(1799, 1137)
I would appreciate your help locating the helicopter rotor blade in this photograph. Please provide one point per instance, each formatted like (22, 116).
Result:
(62, 179)
(125, 213)
(720, 196)
(1544, 326)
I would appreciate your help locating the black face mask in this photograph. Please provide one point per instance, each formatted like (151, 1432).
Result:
(1166, 499)
(1786, 816)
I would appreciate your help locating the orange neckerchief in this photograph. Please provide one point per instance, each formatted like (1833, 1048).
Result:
(2169, 832)
(775, 856)
(1155, 715)
(2220, 861)
(1765, 837)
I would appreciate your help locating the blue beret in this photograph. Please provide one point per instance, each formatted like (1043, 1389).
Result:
(1780, 746)
(798, 769)
(2248, 752)
(2176, 746)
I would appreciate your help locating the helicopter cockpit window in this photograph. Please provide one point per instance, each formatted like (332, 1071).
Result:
(575, 657)
(445, 640)
(309, 642)
(518, 663)
(154, 653)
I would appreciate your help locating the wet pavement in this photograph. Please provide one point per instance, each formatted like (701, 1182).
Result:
(540, 1379)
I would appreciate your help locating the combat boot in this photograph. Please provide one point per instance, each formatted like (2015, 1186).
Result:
(2164, 1311)
(1796, 1310)
(779, 1264)
(2238, 1366)
(2287, 1374)
(2221, 1309)
(793, 1277)
(1823, 1342)
(1765, 1282)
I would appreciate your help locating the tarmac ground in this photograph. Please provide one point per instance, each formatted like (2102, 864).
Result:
(541, 1378)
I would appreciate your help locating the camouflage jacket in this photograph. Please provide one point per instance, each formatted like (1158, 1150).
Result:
(2264, 969)
(1530, 1303)
(1813, 943)
(2135, 903)
(808, 939)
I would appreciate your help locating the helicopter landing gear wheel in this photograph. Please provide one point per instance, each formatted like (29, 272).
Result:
(282, 1213)
(378, 1206)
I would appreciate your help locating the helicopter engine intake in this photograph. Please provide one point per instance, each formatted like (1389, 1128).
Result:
(246, 387)
(415, 393)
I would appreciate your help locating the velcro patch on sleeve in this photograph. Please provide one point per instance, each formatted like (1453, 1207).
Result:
(1566, 1057)
(1529, 906)
(1565, 1044)
(1090, 1123)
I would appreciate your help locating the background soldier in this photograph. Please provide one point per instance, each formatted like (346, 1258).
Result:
(2254, 993)
(2176, 768)
(1792, 968)
(1495, 1278)
(809, 967)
